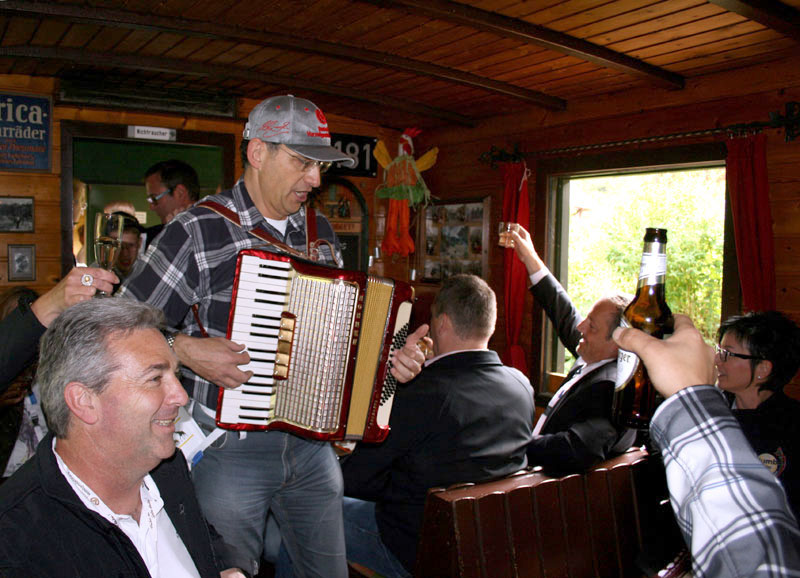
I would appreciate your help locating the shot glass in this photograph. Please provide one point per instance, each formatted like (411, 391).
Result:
(504, 229)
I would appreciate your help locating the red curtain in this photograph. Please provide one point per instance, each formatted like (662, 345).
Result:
(748, 186)
(516, 209)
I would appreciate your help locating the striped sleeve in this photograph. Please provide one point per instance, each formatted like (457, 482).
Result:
(732, 511)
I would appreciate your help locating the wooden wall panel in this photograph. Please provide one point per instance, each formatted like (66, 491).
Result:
(785, 217)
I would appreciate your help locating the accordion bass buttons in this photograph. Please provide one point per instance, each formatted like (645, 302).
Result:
(283, 353)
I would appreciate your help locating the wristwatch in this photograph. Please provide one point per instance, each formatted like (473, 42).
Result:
(170, 337)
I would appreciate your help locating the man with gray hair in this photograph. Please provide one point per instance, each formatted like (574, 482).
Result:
(575, 431)
(106, 494)
(465, 418)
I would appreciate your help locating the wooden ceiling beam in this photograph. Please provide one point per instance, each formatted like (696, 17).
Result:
(186, 67)
(772, 14)
(523, 31)
(126, 19)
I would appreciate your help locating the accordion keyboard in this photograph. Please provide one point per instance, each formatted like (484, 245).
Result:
(262, 297)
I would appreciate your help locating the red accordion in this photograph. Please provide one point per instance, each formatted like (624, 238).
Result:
(319, 341)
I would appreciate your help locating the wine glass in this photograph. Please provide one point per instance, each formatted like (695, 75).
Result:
(108, 229)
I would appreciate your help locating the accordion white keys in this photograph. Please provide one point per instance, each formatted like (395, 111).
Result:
(319, 341)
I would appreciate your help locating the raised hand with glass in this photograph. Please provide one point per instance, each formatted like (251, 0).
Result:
(108, 228)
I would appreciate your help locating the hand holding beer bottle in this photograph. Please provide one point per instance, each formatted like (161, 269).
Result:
(635, 398)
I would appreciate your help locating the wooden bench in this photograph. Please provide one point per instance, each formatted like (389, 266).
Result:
(531, 525)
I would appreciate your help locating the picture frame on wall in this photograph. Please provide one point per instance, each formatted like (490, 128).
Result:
(16, 215)
(453, 238)
(22, 262)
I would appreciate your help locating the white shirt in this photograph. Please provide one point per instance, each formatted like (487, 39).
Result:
(154, 536)
(539, 275)
(566, 386)
(279, 225)
(31, 431)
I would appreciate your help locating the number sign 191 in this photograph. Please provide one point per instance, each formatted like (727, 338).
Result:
(358, 147)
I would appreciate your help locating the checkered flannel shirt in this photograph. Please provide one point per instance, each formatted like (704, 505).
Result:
(193, 261)
(732, 511)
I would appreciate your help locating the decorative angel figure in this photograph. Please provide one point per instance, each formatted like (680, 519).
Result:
(404, 187)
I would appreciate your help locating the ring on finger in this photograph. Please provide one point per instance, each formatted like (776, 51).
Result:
(87, 280)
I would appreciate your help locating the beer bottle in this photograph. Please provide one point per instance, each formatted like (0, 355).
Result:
(635, 398)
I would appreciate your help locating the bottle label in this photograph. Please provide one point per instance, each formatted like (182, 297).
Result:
(653, 269)
(627, 362)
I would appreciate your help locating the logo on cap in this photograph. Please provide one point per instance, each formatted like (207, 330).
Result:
(322, 129)
(271, 129)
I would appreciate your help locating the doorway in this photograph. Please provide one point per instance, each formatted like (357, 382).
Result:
(111, 164)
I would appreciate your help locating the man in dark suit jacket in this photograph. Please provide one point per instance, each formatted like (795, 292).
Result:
(465, 418)
(576, 430)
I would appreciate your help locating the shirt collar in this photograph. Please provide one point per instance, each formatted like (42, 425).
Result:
(152, 503)
(587, 367)
(251, 217)
(442, 355)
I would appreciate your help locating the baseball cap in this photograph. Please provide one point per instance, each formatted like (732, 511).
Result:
(297, 123)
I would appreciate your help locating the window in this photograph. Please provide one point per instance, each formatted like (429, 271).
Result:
(560, 191)
(602, 220)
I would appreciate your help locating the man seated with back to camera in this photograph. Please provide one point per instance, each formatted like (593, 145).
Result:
(465, 418)
(732, 511)
(107, 494)
(576, 431)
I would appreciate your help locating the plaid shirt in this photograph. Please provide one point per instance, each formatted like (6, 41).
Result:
(193, 261)
(732, 511)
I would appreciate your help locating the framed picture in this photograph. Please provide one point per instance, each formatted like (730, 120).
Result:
(16, 214)
(22, 262)
(453, 238)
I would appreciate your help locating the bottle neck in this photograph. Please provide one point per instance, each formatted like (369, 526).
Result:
(653, 269)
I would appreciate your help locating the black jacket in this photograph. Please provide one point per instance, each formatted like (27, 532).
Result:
(20, 332)
(578, 433)
(464, 418)
(47, 531)
(773, 429)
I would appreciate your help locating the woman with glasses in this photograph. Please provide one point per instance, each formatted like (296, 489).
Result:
(757, 355)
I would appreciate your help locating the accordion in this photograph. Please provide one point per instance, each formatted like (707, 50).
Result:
(319, 340)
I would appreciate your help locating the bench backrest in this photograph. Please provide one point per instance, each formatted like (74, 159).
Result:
(533, 525)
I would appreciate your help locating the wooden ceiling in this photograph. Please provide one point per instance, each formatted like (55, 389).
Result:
(396, 63)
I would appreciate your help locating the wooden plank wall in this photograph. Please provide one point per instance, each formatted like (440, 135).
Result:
(738, 96)
(46, 187)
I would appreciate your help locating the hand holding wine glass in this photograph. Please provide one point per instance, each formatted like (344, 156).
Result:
(107, 241)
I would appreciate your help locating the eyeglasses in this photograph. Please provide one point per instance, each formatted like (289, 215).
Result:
(153, 199)
(307, 164)
(724, 354)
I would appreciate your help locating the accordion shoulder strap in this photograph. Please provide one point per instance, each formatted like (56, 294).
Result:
(312, 242)
(226, 213)
(311, 228)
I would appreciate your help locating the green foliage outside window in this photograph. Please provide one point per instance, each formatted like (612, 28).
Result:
(608, 218)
